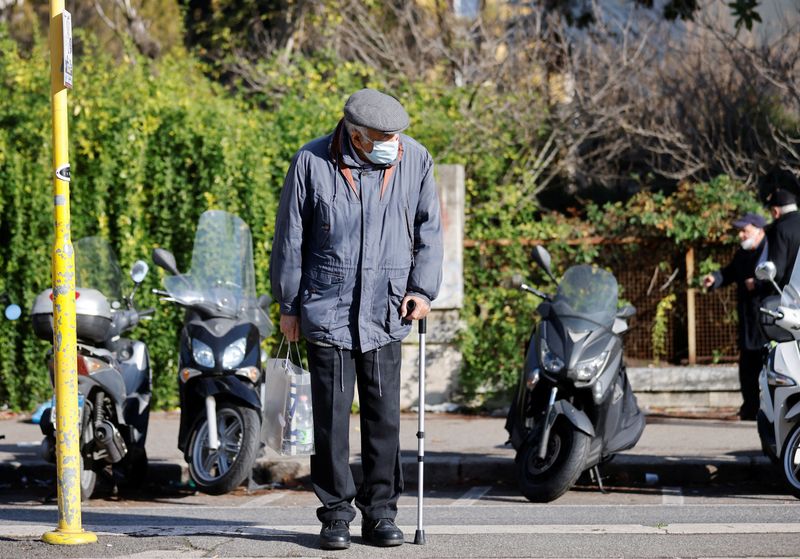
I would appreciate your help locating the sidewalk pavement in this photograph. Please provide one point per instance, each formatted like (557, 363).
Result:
(459, 449)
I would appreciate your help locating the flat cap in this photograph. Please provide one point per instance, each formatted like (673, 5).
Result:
(781, 197)
(376, 110)
(750, 219)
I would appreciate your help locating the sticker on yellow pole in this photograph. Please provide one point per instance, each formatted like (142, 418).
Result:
(65, 349)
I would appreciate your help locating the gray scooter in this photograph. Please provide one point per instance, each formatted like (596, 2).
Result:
(220, 371)
(114, 383)
(574, 407)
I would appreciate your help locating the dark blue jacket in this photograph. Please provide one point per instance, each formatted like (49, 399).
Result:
(352, 239)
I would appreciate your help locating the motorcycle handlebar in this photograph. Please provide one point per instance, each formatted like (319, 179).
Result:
(774, 314)
(529, 289)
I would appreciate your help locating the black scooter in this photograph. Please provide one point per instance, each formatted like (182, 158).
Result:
(220, 371)
(114, 383)
(574, 407)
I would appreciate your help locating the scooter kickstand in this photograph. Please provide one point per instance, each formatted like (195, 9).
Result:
(596, 475)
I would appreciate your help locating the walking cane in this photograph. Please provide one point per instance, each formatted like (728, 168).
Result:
(419, 535)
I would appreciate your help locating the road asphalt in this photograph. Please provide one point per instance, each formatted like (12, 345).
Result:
(459, 450)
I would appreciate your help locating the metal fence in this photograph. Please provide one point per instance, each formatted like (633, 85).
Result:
(647, 273)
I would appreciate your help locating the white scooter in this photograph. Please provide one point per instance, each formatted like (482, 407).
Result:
(779, 382)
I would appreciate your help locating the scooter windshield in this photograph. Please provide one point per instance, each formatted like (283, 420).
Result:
(586, 298)
(96, 267)
(222, 276)
(791, 293)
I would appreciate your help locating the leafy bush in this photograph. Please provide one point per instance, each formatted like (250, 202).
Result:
(152, 146)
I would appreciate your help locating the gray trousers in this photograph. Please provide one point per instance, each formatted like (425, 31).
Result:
(334, 375)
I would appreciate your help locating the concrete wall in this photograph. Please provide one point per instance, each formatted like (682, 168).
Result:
(689, 389)
(443, 359)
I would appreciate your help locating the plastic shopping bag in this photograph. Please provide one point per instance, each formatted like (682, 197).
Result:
(288, 415)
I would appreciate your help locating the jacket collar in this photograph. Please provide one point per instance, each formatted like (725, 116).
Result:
(344, 161)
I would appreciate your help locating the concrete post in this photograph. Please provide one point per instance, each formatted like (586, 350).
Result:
(444, 321)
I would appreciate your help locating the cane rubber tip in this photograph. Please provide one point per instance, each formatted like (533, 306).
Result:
(419, 537)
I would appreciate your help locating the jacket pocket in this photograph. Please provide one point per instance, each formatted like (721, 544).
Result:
(319, 301)
(396, 292)
(322, 223)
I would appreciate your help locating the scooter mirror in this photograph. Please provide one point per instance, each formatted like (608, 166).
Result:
(626, 312)
(165, 259)
(766, 271)
(516, 281)
(139, 271)
(13, 312)
(542, 258)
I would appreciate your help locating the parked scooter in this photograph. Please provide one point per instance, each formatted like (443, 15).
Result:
(220, 369)
(12, 312)
(114, 384)
(778, 418)
(574, 407)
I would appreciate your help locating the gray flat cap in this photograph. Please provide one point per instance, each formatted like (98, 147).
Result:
(376, 110)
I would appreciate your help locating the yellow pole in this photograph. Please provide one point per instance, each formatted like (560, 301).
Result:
(68, 460)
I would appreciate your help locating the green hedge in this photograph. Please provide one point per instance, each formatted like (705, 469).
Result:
(151, 148)
(154, 144)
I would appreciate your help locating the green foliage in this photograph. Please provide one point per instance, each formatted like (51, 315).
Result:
(695, 212)
(152, 146)
(659, 329)
(745, 13)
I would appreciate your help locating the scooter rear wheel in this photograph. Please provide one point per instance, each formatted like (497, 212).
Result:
(224, 469)
(88, 473)
(790, 461)
(542, 481)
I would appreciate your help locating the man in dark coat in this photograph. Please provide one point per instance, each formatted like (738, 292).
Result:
(783, 234)
(741, 271)
(358, 237)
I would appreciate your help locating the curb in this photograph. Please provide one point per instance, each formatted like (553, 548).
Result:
(456, 469)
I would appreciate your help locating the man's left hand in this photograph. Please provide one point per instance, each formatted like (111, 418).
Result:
(421, 308)
(750, 284)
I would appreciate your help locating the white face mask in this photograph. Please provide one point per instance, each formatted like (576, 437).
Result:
(383, 153)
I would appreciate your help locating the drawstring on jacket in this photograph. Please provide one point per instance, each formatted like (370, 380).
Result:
(341, 368)
(377, 360)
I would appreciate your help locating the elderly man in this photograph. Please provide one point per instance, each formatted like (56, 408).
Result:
(783, 234)
(741, 271)
(357, 239)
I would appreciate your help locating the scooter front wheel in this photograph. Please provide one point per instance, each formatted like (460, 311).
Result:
(545, 480)
(790, 461)
(218, 471)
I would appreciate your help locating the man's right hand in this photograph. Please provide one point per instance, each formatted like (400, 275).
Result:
(708, 281)
(290, 326)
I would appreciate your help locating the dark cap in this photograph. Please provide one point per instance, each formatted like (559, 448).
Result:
(750, 219)
(376, 110)
(781, 197)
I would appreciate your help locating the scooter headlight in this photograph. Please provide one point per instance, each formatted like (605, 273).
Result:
(588, 369)
(202, 354)
(551, 362)
(234, 354)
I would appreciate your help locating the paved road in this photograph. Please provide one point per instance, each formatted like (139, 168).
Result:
(477, 521)
(710, 494)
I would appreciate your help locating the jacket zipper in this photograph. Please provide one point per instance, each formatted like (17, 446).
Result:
(410, 237)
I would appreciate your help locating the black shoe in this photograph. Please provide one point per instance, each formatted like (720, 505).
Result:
(335, 535)
(382, 532)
